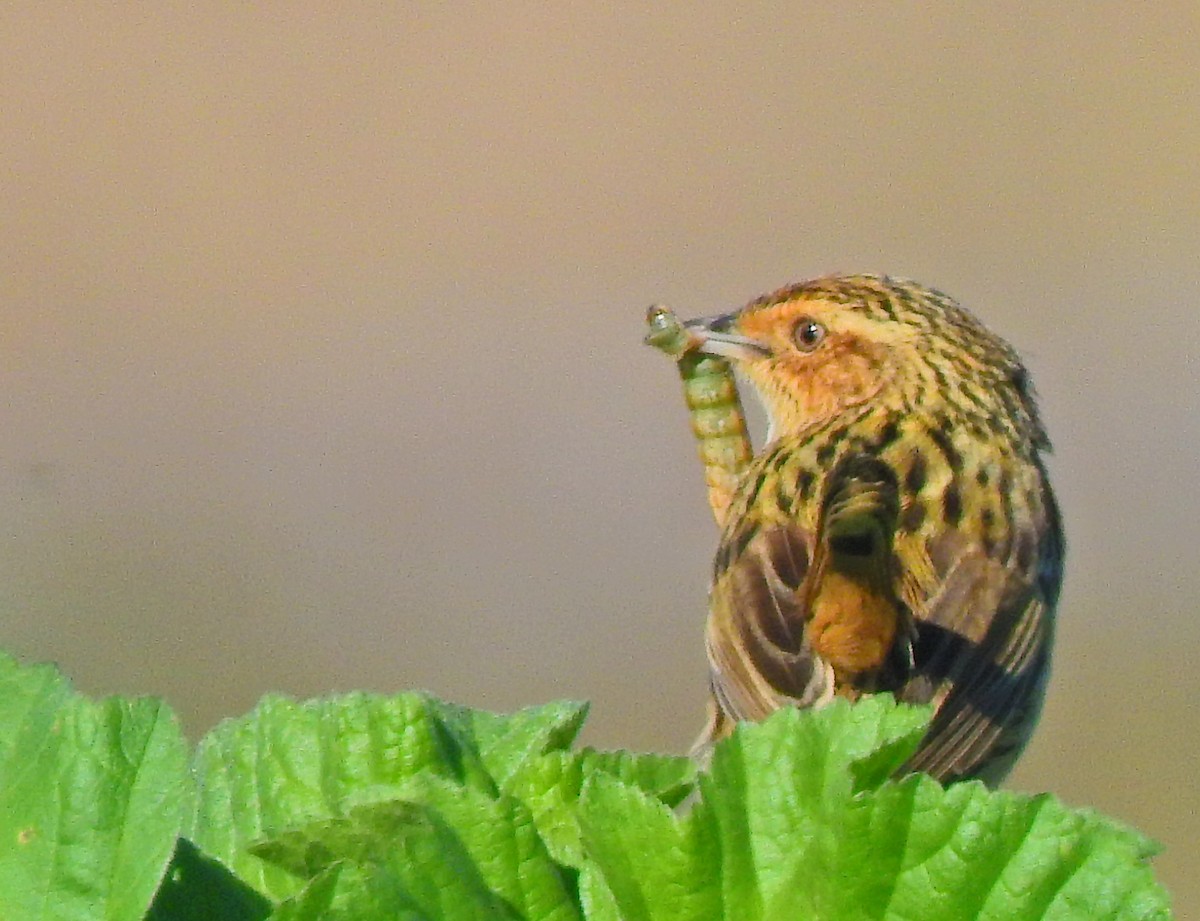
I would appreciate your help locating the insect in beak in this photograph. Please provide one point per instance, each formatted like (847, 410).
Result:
(712, 336)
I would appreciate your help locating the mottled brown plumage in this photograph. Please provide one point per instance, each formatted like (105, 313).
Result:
(897, 531)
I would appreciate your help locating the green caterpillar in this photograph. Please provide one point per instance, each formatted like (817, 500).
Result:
(714, 405)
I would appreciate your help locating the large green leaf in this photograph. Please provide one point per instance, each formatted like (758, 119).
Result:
(487, 863)
(353, 892)
(92, 796)
(550, 787)
(287, 764)
(402, 842)
(507, 742)
(796, 820)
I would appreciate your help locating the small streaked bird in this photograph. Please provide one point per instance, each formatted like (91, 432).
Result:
(895, 533)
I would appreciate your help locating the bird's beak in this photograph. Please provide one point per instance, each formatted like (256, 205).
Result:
(713, 337)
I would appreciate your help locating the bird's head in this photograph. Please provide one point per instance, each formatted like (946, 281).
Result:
(816, 350)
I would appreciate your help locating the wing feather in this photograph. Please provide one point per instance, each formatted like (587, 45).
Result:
(982, 658)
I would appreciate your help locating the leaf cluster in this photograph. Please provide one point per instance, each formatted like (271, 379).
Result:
(364, 806)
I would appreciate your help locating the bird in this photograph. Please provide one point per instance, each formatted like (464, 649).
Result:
(896, 532)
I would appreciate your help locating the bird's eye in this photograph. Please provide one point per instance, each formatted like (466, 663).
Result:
(808, 334)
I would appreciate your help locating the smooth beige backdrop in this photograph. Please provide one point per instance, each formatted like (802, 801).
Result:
(320, 336)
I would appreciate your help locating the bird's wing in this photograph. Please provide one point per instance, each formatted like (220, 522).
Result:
(758, 651)
(984, 636)
(796, 615)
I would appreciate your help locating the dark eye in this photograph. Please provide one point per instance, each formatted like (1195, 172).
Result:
(808, 334)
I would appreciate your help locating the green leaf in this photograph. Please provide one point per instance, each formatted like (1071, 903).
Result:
(506, 742)
(287, 763)
(966, 850)
(551, 785)
(796, 821)
(290, 763)
(427, 862)
(92, 796)
(503, 841)
(494, 839)
(350, 892)
(650, 861)
(777, 795)
(595, 898)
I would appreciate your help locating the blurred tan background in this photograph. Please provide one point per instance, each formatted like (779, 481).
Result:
(320, 337)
